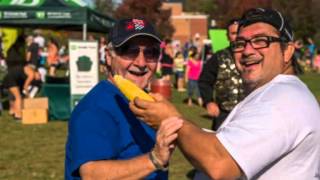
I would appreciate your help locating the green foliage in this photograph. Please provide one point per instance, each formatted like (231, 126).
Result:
(105, 6)
(149, 9)
(301, 14)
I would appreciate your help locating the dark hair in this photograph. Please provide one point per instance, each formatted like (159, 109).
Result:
(54, 41)
(177, 54)
(232, 22)
(194, 52)
(297, 69)
(16, 53)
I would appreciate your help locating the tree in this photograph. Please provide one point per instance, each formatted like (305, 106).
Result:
(150, 10)
(300, 14)
(208, 7)
(224, 10)
(105, 7)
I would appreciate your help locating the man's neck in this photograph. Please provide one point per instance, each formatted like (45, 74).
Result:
(289, 70)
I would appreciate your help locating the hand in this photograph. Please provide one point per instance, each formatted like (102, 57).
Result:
(152, 113)
(166, 136)
(213, 109)
(26, 92)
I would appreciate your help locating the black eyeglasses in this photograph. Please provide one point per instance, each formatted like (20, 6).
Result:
(131, 52)
(258, 42)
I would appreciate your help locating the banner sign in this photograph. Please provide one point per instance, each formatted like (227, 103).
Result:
(219, 39)
(30, 3)
(36, 3)
(58, 14)
(24, 14)
(9, 36)
(83, 68)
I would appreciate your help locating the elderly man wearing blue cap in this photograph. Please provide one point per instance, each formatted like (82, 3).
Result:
(106, 140)
(274, 133)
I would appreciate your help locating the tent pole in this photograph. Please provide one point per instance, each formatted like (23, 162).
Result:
(84, 31)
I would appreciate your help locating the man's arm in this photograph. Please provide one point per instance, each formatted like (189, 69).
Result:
(206, 153)
(28, 55)
(201, 148)
(135, 168)
(140, 166)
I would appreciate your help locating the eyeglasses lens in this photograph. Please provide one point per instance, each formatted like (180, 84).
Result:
(151, 54)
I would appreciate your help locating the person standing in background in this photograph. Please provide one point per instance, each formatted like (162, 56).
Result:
(193, 70)
(179, 66)
(102, 54)
(221, 78)
(32, 55)
(19, 77)
(53, 57)
(312, 51)
(166, 61)
(39, 39)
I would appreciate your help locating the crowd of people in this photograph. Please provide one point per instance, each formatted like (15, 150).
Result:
(307, 55)
(25, 67)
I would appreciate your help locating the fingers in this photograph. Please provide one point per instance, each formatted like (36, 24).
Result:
(136, 110)
(170, 125)
(167, 132)
(166, 136)
(157, 96)
(169, 140)
(140, 103)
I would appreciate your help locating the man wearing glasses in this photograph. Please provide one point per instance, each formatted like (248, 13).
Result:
(274, 133)
(106, 140)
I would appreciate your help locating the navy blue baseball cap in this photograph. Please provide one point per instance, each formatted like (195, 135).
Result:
(269, 16)
(125, 29)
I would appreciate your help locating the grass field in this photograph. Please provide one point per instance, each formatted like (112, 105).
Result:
(37, 151)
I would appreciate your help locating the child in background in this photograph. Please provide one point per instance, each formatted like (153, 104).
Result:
(179, 71)
(192, 74)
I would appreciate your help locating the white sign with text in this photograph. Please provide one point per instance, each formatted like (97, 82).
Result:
(83, 66)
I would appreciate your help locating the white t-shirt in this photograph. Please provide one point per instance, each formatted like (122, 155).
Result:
(102, 52)
(274, 133)
(40, 41)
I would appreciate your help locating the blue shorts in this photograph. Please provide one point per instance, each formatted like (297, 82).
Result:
(193, 88)
(179, 74)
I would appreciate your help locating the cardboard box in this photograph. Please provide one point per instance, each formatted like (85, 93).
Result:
(34, 116)
(36, 103)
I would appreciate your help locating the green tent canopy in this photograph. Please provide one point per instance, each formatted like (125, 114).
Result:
(54, 14)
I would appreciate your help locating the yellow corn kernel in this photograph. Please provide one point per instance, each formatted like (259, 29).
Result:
(130, 90)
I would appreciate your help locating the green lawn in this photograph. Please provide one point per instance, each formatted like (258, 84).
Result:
(37, 151)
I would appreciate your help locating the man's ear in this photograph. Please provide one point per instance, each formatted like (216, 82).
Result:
(288, 52)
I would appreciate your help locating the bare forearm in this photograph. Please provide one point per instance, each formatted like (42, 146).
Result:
(135, 168)
(205, 152)
(27, 83)
(28, 57)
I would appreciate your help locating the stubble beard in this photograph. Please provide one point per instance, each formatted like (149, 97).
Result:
(249, 86)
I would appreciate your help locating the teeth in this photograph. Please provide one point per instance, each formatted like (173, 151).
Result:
(250, 63)
(138, 73)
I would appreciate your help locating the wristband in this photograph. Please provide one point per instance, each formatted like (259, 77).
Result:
(156, 163)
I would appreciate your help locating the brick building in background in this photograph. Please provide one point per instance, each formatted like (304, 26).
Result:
(187, 25)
